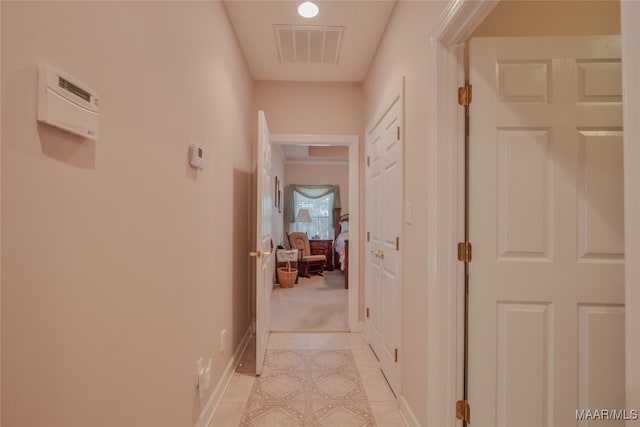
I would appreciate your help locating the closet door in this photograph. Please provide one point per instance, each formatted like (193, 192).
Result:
(383, 261)
(546, 283)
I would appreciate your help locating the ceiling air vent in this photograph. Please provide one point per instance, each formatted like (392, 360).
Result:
(308, 44)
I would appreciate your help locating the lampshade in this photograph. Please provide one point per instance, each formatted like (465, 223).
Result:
(303, 216)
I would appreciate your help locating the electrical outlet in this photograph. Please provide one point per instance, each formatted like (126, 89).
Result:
(222, 334)
(204, 375)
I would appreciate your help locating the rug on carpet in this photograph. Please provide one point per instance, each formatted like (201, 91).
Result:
(315, 304)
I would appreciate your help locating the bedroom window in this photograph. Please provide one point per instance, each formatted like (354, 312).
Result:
(320, 201)
(321, 226)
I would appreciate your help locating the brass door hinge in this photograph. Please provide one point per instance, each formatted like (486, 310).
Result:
(464, 252)
(398, 133)
(368, 314)
(368, 161)
(397, 243)
(368, 236)
(464, 95)
(463, 411)
(395, 355)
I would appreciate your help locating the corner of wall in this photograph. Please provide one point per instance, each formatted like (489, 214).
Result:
(216, 396)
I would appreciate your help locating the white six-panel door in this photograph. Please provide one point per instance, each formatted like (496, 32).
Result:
(383, 261)
(263, 256)
(546, 333)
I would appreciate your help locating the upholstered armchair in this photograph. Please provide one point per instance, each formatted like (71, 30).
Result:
(308, 262)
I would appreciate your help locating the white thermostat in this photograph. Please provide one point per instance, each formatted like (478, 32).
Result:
(67, 103)
(196, 156)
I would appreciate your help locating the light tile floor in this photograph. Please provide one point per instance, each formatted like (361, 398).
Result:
(310, 379)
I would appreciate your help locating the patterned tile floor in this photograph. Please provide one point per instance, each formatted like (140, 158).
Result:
(310, 379)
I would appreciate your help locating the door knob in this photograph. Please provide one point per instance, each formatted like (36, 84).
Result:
(259, 254)
(378, 253)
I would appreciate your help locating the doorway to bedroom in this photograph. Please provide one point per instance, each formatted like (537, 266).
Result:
(316, 192)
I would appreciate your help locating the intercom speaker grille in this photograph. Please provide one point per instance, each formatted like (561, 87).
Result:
(308, 44)
(67, 85)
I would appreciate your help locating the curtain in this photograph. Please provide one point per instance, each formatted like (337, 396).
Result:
(311, 192)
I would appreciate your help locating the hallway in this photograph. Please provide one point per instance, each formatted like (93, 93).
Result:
(319, 379)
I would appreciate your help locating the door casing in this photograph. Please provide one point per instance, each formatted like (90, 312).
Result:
(445, 280)
(445, 184)
(353, 142)
(630, 16)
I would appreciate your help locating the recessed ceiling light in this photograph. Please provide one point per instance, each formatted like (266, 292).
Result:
(308, 10)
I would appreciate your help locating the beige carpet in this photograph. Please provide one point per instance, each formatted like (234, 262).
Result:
(316, 304)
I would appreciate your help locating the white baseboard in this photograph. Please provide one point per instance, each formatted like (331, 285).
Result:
(407, 414)
(214, 400)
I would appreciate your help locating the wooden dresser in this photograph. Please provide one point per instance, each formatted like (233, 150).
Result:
(323, 247)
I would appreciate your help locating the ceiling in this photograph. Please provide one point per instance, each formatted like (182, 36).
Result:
(353, 27)
(262, 28)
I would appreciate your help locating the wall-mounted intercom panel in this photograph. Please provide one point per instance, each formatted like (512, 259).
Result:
(67, 103)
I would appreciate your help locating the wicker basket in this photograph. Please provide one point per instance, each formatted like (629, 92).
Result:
(287, 276)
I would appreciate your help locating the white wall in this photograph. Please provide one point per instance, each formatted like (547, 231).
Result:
(121, 264)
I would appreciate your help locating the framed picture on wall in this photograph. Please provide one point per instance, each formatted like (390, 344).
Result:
(279, 201)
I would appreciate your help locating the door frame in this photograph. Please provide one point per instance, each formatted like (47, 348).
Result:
(630, 16)
(445, 219)
(445, 181)
(353, 142)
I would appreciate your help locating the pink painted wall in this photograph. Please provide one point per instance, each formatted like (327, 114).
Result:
(121, 264)
(561, 18)
(404, 52)
(329, 108)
